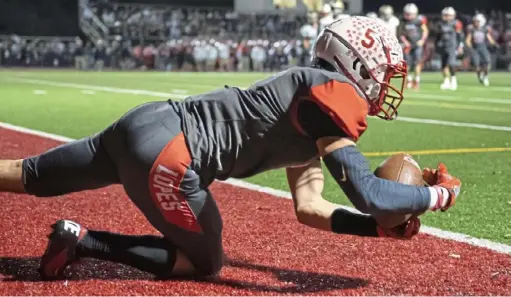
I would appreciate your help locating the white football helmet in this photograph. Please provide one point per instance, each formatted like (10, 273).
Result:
(337, 8)
(369, 54)
(372, 15)
(386, 12)
(479, 19)
(327, 9)
(448, 13)
(410, 11)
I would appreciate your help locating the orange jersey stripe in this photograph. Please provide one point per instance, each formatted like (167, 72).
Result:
(165, 180)
(344, 105)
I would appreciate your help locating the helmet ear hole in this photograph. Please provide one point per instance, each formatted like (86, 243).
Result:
(364, 73)
(322, 64)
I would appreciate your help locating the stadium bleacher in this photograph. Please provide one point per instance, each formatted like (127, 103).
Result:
(165, 37)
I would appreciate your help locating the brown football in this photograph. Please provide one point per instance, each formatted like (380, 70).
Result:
(401, 168)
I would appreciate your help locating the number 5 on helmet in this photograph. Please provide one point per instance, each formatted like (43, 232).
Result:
(448, 187)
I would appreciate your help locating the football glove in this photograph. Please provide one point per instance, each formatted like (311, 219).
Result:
(406, 230)
(447, 186)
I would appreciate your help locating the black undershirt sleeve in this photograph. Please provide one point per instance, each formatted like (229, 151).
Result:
(315, 122)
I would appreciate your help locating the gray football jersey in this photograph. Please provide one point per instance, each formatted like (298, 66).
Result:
(238, 133)
(479, 35)
(450, 34)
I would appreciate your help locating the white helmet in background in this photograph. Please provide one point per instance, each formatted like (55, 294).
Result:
(337, 7)
(372, 15)
(448, 13)
(386, 12)
(410, 11)
(326, 10)
(480, 18)
(369, 54)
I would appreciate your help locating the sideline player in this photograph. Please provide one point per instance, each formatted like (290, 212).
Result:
(388, 17)
(478, 37)
(449, 44)
(413, 34)
(166, 154)
(332, 11)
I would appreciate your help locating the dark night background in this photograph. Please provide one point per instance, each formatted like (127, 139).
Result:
(59, 17)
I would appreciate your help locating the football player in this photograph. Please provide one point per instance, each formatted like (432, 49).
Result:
(332, 11)
(478, 37)
(449, 44)
(413, 34)
(166, 154)
(387, 16)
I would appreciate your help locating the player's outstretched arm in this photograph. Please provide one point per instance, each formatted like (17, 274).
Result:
(306, 184)
(373, 195)
(468, 39)
(425, 32)
(490, 38)
(11, 179)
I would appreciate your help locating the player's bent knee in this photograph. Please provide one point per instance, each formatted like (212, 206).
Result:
(182, 266)
(211, 268)
(210, 263)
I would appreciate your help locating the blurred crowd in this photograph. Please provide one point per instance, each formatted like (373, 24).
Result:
(191, 39)
(164, 22)
(18, 51)
(187, 55)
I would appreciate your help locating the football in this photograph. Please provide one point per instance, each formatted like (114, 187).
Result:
(401, 168)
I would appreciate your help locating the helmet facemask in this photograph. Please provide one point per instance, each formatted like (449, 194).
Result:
(384, 96)
(391, 94)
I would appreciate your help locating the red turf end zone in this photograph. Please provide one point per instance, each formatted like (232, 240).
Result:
(269, 252)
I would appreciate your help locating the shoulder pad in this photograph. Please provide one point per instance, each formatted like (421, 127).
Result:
(344, 104)
(423, 19)
(458, 25)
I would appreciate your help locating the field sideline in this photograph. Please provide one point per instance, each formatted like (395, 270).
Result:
(468, 129)
(290, 259)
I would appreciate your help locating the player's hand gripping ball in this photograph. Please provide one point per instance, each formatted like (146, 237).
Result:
(440, 178)
(401, 168)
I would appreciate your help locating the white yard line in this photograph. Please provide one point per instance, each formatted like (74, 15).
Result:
(436, 97)
(98, 88)
(181, 96)
(432, 96)
(40, 92)
(495, 246)
(491, 100)
(454, 124)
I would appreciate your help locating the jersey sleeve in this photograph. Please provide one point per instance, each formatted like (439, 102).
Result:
(424, 20)
(470, 29)
(343, 104)
(458, 26)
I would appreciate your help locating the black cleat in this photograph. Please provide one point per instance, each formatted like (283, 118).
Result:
(60, 251)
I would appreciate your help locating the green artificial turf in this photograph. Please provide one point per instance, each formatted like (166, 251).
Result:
(70, 104)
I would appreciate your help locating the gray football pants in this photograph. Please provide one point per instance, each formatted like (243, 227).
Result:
(146, 152)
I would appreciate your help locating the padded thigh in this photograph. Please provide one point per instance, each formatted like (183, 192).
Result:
(135, 143)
